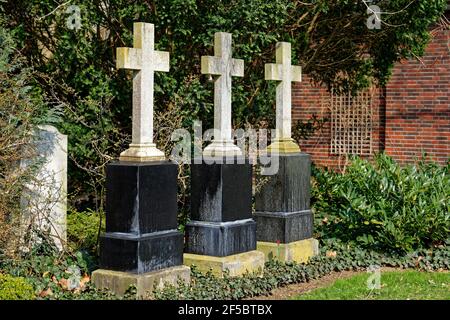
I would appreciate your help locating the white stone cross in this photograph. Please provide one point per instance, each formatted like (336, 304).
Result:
(286, 73)
(223, 67)
(145, 60)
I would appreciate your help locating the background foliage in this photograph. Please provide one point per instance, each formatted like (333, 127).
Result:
(22, 108)
(384, 206)
(330, 40)
(83, 230)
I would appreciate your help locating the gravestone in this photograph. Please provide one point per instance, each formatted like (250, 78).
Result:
(141, 245)
(283, 215)
(44, 201)
(222, 234)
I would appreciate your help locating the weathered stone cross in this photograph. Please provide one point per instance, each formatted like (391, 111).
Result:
(145, 60)
(285, 72)
(224, 67)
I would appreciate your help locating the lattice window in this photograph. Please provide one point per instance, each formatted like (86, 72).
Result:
(351, 123)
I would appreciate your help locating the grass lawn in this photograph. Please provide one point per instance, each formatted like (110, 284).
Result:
(394, 285)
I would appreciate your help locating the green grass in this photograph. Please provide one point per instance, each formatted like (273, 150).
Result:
(412, 285)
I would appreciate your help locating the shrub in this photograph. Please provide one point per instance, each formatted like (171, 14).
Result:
(21, 109)
(83, 230)
(15, 288)
(383, 206)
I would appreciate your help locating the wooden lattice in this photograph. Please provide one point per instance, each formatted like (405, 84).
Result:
(351, 123)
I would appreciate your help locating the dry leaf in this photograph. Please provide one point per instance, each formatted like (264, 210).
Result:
(64, 283)
(84, 280)
(45, 293)
(331, 254)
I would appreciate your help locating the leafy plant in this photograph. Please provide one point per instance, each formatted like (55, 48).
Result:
(382, 205)
(83, 230)
(15, 288)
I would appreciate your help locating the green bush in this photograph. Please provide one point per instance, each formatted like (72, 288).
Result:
(15, 288)
(83, 230)
(383, 206)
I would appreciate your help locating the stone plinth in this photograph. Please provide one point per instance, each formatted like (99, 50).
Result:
(221, 213)
(283, 214)
(141, 242)
(297, 251)
(235, 265)
(119, 282)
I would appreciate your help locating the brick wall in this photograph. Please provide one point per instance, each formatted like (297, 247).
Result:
(411, 115)
(418, 104)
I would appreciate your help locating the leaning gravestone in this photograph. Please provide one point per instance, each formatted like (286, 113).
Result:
(44, 200)
(141, 246)
(222, 234)
(283, 215)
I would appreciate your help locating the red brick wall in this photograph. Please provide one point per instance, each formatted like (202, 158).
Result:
(418, 104)
(411, 115)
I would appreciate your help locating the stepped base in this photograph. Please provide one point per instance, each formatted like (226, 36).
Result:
(284, 227)
(298, 251)
(141, 253)
(119, 282)
(236, 265)
(220, 239)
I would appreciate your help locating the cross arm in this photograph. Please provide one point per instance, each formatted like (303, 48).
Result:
(296, 74)
(128, 58)
(211, 65)
(162, 61)
(237, 69)
(273, 72)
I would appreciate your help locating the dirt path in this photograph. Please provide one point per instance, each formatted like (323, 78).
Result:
(286, 293)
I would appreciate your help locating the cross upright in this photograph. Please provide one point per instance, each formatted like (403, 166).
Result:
(144, 60)
(284, 72)
(223, 67)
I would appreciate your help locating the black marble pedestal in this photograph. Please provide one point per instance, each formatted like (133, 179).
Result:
(221, 209)
(141, 218)
(283, 204)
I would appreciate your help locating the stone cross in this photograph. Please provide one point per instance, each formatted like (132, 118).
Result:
(286, 73)
(145, 60)
(223, 67)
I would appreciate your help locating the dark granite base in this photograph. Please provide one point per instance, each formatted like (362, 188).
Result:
(141, 218)
(141, 197)
(221, 192)
(141, 254)
(284, 227)
(289, 189)
(220, 239)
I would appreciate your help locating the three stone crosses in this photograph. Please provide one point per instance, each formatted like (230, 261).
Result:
(143, 59)
(142, 245)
